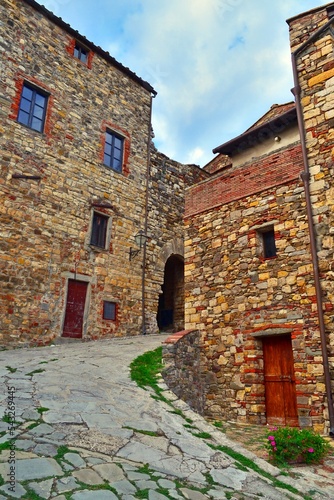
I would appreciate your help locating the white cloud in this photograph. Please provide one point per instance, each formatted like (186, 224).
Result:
(217, 65)
(195, 156)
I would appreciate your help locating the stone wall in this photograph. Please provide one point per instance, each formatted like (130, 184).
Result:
(315, 72)
(181, 355)
(167, 183)
(46, 222)
(46, 219)
(235, 297)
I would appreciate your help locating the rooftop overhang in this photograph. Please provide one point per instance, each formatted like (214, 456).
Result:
(90, 45)
(256, 135)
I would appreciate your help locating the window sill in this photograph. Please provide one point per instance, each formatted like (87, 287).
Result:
(113, 169)
(97, 249)
(31, 129)
(264, 259)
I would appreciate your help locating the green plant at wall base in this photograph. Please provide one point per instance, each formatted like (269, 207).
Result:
(145, 369)
(286, 445)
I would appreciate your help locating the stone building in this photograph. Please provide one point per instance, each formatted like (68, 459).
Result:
(259, 255)
(312, 44)
(80, 178)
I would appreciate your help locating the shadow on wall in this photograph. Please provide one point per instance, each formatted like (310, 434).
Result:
(181, 358)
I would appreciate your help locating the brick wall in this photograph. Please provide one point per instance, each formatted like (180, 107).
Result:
(250, 179)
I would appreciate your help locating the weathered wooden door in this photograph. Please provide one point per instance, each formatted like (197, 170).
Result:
(75, 308)
(280, 384)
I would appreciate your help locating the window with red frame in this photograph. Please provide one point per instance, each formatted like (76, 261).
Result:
(113, 150)
(32, 109)
(81, 53)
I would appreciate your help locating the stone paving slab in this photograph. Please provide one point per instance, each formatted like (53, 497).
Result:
(13, 491)
(109, 472)
(43, 488)
(94, 495)
(102, 437)
(34, 468)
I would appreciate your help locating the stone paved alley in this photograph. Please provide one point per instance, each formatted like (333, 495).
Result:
(85, 431)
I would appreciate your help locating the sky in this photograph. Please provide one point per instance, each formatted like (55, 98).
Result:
(217, 65)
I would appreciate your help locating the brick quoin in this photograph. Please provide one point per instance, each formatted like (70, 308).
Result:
(268, 172)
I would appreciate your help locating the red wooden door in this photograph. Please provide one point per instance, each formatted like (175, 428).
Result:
(280, 384)
(75, 308)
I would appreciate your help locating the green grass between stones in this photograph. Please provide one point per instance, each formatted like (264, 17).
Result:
(145, 369)
(39, 370)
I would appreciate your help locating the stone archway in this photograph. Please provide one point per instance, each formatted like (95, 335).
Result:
(155, 275)
(170, 316)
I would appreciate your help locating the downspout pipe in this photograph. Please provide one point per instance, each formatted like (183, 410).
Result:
(305, 176)
(148, 173)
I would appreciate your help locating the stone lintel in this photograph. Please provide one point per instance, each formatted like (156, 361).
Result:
(264, 224)
(273, 331)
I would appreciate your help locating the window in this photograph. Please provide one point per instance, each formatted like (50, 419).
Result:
(268, 242)
(113, 151)
(109, 310)
(99, 230)
(81, 53)
(32, 108)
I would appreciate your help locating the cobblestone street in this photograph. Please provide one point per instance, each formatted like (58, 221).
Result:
(85, 431)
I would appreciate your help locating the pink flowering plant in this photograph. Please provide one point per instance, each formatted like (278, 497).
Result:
(286, 445)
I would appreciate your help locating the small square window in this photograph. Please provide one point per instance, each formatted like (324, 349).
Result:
(268, 243)
(109, 310)
(113, 151)
(81, 53)
(99, 230)
(32, 109)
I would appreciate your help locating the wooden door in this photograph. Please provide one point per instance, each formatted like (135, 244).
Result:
(75, 308)
(280, 383)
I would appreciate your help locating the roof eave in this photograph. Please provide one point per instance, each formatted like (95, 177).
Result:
(256, 134)
(95, 48)
(315, 9)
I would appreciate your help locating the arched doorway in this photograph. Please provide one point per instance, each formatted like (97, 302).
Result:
(170, 315)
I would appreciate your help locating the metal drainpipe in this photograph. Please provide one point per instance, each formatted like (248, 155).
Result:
(305, 176)
(148, 170)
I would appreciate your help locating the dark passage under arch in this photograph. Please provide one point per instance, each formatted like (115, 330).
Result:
(170, 315)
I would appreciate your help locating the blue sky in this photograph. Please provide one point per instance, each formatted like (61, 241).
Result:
(217, 65)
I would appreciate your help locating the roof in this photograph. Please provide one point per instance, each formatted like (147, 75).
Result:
(275, 111)
(217, 164)
(278, 118)
(95, 48)
(329, 7)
